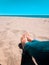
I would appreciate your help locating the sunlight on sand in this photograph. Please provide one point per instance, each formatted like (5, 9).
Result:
(11, 29)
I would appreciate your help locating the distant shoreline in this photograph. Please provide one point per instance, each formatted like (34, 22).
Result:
(31, 16)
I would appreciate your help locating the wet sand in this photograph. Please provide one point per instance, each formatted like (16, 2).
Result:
(11, 29)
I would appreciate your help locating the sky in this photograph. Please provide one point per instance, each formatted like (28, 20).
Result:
(24, 7)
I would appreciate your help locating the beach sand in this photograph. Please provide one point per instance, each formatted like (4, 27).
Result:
(11, 29)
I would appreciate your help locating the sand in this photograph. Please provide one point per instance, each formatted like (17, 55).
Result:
(11, 29)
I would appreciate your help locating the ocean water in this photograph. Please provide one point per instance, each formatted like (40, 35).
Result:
(24, 7)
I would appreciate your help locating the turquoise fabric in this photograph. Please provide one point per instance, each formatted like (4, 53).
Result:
(36, 47)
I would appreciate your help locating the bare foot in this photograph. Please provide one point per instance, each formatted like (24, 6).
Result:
(23, 39)
(29, 37)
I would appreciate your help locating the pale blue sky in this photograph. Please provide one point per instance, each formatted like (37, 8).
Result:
(17, 7)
